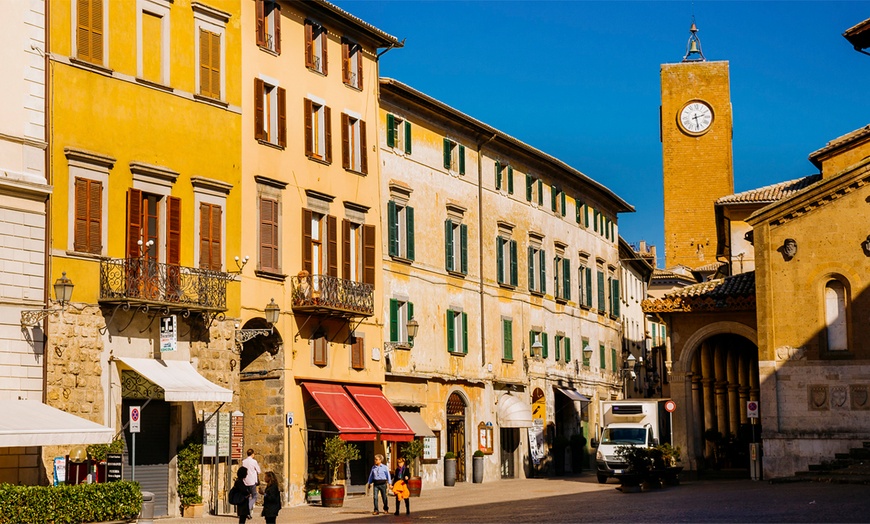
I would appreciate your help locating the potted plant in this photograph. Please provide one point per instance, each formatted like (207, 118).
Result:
(449, 468)
(477, 467)
(412, 451)
(638, 469)
(337, 453)
(189, 477)
(665, 460)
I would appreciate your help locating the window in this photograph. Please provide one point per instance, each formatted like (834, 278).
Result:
(587, 352)
(143, 223)
(584, 278)
(507, 339)
(537, 270)
(319, 345)
(357, 352)
(613, 361)
(538, 336)
(563, 348)
(558, 202)
(90, 29)
(209, 64)
(270, 113)
(401, 311)
(400, 226)
(88, 216)
(358, 252)
(562, 277)
(596, 217)
(319, 245)
(315, 47)
(354, 156)
(351, 63)
(504, 177)
(582, 213)
(456, 246)
(835, 316)
(614, 297)
(457, 332)
(269, 235)
(534, 190)
(506, 256)
(152, 59)
(269, 25)
(454, 156)
(210, 234)
(601, 356)
(318, 131)
(398, 133)
(602, 292)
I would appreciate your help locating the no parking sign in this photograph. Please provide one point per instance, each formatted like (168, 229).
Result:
(752, 409)
(135, 419)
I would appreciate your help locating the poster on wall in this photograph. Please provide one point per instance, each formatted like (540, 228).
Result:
(536, 444)
(430, 448)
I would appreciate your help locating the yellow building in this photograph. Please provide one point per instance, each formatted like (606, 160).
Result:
(312, 229)
(145, 137)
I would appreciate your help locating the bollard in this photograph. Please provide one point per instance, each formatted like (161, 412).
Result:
(146, 516)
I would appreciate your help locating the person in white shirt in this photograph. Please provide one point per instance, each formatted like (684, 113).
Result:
(253, 478)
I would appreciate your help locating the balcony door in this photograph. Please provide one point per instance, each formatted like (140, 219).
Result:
(153, 235)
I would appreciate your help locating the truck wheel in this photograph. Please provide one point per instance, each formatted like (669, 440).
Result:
(602, 479)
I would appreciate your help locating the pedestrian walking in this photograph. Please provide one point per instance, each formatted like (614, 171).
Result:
(239, 495)
(380, 479)
(252, 481)
(271, 498)
(400, 486)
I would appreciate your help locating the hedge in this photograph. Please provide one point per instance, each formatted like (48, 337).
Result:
(68, 504)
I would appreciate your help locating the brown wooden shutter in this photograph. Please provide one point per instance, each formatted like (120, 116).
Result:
(359, 67)
(332, 245)
(259, 104)
(309, 44)
(261, 22)
(204, 235)
(173, 230)
(320, 356)
(276, 12)
(282, 117)
(96, 31)
(215, 55)
(369, 254)
(324, 63)
(357, 351)
(345, 61)
(134, 222)
(268, 233)
(345, 249)
(204, 71)
(363, 153)
(306, 240)
(345, 142)
(216, 230)
(309, 129)
(80, 234)
(327, 123)
(83, 30)
(95, 217)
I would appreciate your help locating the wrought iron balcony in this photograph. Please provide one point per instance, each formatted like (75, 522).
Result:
(329, 295)
(146, 282)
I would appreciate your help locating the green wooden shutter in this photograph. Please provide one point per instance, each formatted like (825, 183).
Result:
(465, 332)
(601, 357)
(499, 259)
(410, 307)
(531, 343)
(461, 159)
(448, 244)
(531, 269)
(543, 271)
(450, 344)
(553, 195)
(577, 208)
(564, 206)
(588, 271)
(393, 228)
(447, 153)
(409, 233)
(540, 192)
(529, 182)
(601, 292)
(497, 175)
(585, 216)
(463, 248)
(614, 296)
(508, 339)
(556, 341)
(391, 130)
(510, 180)
(513, 262)
(567, 349)
(407, 137)
(394, 320)
(613, 359)
(544, 350)
(566, 279)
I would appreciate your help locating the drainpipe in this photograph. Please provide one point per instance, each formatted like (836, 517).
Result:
(480, 246)
(47, 172)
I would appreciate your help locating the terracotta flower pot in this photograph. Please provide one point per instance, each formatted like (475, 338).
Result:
(415, 485)
(332, 495)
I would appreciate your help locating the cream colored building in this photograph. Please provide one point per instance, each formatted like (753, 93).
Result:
(507, 259)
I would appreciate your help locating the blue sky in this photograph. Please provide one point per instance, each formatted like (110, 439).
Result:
(580, 80)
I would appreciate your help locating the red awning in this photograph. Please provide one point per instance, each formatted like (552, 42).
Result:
(390, 424)
(342, 411)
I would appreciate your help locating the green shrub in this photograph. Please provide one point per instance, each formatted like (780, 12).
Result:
(450, 455)
(478, 453)
(68, 504)
(189, 477)
(99, 452)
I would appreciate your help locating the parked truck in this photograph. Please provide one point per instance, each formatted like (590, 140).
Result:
(640, 422)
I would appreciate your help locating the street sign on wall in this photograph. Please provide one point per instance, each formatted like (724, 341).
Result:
(168, 333)
(752, 409)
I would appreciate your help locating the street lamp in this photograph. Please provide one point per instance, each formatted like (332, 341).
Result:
(628, 373)
(411, 327)
(272, 312)
(587, 353)
(537, 347)
(63, 288)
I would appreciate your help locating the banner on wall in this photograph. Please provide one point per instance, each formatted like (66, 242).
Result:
(536, 444)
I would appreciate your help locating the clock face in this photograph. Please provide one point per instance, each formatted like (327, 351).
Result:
(696, 117)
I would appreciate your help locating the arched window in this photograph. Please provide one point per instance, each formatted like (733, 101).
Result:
(835, 316)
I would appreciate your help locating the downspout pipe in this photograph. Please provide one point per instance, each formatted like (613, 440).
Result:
(46, 115)
(480, 147)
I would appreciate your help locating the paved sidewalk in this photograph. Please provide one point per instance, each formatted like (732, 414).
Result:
(431, 499)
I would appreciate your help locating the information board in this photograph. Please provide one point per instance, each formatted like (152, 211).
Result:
(213, 444)
(168, 333)
(114, 467)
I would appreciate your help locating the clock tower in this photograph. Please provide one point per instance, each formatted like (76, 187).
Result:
(696, 129)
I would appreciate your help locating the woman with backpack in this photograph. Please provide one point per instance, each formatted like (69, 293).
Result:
(239, 495)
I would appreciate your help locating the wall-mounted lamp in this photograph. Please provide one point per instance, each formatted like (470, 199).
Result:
(63, 288)
(537, 347)
(587, 353)
(412, 327)
(272, 312)
(628, 372)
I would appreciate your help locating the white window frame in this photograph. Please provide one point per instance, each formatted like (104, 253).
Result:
(458, 340)
(399, 131)
(317, 44)
(535, 285)
(356, 252)
(158, 8)
(505, 277)
(558, 292)
(269, 25)
(354, 141)
(318, 127)
(210, 19)
(402, 223)
(74, 11)
(354, 51)
(270, 108)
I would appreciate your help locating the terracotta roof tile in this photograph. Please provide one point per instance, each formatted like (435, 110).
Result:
(742, 284)
(771, 193)
(837, 142)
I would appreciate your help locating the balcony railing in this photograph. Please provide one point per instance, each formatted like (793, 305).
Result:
(332, 296)
(146, 281)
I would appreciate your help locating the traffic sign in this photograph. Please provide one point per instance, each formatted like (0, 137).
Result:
(670, 406)
(135, 419)
(752, 409)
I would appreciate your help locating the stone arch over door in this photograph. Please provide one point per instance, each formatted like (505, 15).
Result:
(457, 422)
(718, 368)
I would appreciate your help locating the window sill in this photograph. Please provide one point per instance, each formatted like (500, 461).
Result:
(507, 361)
(355, 88)
(211, 101)
(270, 144)
(456, 353)
(355, 171)
(560, 300)
(155, 85)
(269, 51)
(457, 274)
(319, 160)
(507, 286)
(83, 254)
(270, 275)
(315, 70)
(403, 260)
(536, 293)
(97, 68)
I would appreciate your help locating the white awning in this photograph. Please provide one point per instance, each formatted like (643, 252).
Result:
(574, 395)
(32, 423)
(179, 381)
(416, 423)
(513, 412)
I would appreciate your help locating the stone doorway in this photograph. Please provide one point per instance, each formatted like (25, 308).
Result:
(456, 432)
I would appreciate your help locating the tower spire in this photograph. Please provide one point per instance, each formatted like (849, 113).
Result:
(693, 46)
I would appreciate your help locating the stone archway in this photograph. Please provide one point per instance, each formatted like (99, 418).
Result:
(456, 423)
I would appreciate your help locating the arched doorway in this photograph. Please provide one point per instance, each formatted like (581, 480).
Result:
(456, 432)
